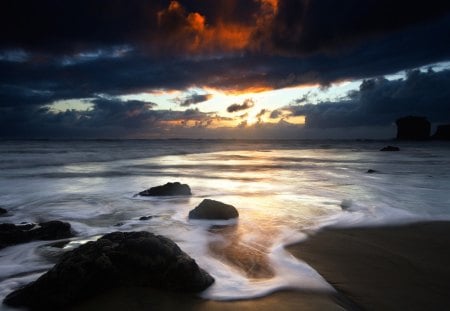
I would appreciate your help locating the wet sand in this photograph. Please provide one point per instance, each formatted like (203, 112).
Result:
(384, 268)
(144, 299)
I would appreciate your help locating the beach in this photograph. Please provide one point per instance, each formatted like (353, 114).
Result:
(286, 192)
(384, 268)
(397, 267)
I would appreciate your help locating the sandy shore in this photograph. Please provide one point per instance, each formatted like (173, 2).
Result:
(144, 299)
(385, 268)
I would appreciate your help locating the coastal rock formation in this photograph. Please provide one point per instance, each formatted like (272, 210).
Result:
(117, 259)
(413, 128)
(3, 211)
(442, 132)
(168, 189)
(11, 234)
(390, 148)
(211, 209)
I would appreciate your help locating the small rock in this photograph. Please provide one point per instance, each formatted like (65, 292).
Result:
(371, 171)
(211, 209)
(167, 190)
(118, 259)
(390, 148)
(146, 217)
(3, 211)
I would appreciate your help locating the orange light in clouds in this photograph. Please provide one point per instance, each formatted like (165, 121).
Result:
(191, 32)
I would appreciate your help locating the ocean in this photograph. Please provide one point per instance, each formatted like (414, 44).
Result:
(281, 189)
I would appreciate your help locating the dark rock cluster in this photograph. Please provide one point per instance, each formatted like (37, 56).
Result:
(418, 128)
(117, 259)
(11, 234)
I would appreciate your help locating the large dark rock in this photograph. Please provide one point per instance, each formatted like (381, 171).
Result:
(413, 128)
(211, 209)
(117, 259)
(3, 211)
(168, 189)
(390, 148)
(11, 234)
(442, 132)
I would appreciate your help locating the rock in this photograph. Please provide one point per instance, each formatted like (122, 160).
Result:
(371, 171)
(117, 259)
(168, 189)
(442, 132)
(11, 234)
(413, 128)
(390, 148)
(211, 209)
(3, 211)
(146, 217)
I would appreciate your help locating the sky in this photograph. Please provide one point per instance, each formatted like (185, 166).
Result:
(252, 69)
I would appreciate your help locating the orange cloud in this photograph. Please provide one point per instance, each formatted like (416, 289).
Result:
(190, 32)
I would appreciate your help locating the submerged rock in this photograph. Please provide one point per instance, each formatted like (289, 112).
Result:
(3, 211)
(11, 234)
(371, 171)
(211, 209)
(413, 128)
(390, 148)
(117, 259)
(168, 189)
(145, 217)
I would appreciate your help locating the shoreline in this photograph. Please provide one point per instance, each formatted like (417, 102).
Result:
(391, 267)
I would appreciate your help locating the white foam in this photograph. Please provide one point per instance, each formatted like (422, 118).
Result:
(290, 273)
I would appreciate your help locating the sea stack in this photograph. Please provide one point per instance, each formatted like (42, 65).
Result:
(413, 128)
(442, 132)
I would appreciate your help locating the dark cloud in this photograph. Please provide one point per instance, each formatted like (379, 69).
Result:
(108, 118)
(247, 104)
(304, 26)
(380, 102)
(78, 49)
(192, 99)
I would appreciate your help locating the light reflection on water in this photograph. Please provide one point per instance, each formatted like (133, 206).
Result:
(278, 192)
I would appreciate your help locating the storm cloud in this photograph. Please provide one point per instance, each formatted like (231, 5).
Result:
(100, 50)
(379, 102)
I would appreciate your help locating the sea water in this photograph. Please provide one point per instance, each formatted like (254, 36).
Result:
(281, 189)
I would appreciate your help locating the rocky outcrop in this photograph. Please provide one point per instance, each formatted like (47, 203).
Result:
(442, 132)
(11, 234)
(211, 209)
(115, 260)
(3, 211)
(390, 148)
(168, 189)
(413, 128)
